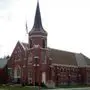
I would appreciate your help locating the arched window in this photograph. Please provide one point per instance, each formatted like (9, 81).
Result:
(61, 69)
(30, 43)
(17, 72)
(43, 43)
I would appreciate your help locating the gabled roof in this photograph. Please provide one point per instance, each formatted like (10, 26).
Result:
(3, 62)
(25, 45)
(86, 59)
(62, 57)
(81, 60)
(68, 58)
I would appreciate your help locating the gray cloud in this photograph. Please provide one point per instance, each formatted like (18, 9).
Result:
(5, 4)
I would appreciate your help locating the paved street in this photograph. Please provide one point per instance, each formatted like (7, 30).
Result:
(88, 88)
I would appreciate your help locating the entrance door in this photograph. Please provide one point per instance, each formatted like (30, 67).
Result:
(44, 77)
(17, 74)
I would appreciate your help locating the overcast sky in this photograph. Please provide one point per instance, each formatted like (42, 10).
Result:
(66, 21)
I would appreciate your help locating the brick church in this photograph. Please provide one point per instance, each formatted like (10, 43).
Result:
(34, 62)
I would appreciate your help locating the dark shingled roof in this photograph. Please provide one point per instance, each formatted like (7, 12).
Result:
(62, 57)
(65, 57)
(3, 62)
(37, 21)
(37, 27)
(86, 59)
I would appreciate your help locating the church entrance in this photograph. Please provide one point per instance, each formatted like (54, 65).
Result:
(44, 77)
(17, 74)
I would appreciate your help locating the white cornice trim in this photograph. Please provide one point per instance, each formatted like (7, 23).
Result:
(37, 36)
(22, 45)
(54, 64)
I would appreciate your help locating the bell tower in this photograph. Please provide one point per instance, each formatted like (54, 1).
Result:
(37, 45)
(37, 35)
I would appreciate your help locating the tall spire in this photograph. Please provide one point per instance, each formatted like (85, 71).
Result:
(37, 20)
(37, 27)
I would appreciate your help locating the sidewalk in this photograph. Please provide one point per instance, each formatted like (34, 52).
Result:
(86, 88)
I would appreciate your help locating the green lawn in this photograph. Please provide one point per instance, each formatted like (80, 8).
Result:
(73, 86)
(14, 87)
(18, 88)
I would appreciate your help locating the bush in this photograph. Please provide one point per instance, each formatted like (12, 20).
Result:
(43, 85)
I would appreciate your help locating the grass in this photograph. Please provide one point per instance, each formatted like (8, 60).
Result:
(72, 86)
(18, 88)
(13, 87)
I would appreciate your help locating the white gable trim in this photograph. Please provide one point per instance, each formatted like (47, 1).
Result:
(22, 45)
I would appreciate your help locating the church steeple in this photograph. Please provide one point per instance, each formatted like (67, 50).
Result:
(37, 21)
(37, 35)
(37, 27)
